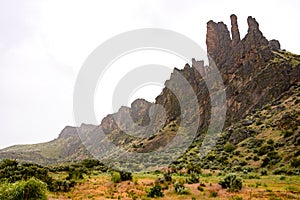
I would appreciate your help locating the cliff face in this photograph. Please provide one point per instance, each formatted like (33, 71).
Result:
(252, 73)
(255, 71)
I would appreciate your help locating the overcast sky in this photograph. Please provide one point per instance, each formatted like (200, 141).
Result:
(44, 43)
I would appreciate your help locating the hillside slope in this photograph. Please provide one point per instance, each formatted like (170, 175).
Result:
(266, 138)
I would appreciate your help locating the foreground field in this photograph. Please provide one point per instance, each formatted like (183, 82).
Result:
(100, 186)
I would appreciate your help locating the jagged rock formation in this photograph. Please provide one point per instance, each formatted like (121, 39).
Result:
(218, 42)
(235, 33)
(255, 71)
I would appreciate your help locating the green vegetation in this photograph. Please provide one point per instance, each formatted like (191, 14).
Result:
(155, 192)
(232, 183)
(229, 147)
(193, 178)
(168, 176)
(213, 194)
(116, 177)
(125, 176)
(180, 188)
(32, 189)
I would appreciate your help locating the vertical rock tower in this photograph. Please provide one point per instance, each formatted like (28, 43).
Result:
(226, 50)
(235, 33)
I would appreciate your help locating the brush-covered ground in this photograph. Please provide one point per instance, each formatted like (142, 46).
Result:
(92, 180)
(255, 186)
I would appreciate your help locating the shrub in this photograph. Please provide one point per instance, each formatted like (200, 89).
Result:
(168, 177)
(155, 192)
(243, 163)
(193, 169)
(116, 177)
(12, 171)
(8, 163)
(282, 178)
(287, 133)
(237, 198)
(263, 172)
(255, 158)
(90, 163)
(200, 188)
(264, 149)
(297, 153)
(213, 194)
(194, 178)
(252, 176)
(32, 189)
(281, 170)
(295, 163)
(232, 182)
(180, 189)
(126, 176)
(265, 162)
(270, 141)
(76, 173)
(229, 147)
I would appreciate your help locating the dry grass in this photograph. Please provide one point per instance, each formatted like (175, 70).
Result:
(101, 187)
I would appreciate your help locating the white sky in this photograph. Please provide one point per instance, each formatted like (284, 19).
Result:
(44, 43)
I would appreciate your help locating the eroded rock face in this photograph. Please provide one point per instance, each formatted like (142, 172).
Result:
(274, 44)
(235, 33)
(252, 24)
(254, 38)
(218, 41)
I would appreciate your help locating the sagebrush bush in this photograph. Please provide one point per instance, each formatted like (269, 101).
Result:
(168, 177)
(263, 172)
(295, 163)
(232, 182)
(228, 147)
(194, 178)
(213, 194)
(180, 188)
(12, 171)
(116, 177)
(76, 173)
(33, 189)
(126, 176)
(155, 192)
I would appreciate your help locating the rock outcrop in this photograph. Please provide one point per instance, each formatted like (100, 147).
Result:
(218, 41)
(235, 33)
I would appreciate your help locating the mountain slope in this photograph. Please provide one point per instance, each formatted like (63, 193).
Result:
(266, 138)
(255, 72)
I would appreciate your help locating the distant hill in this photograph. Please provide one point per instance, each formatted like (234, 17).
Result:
(262, 121)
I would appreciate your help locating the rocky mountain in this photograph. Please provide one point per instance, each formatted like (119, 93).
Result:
(256, 72)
